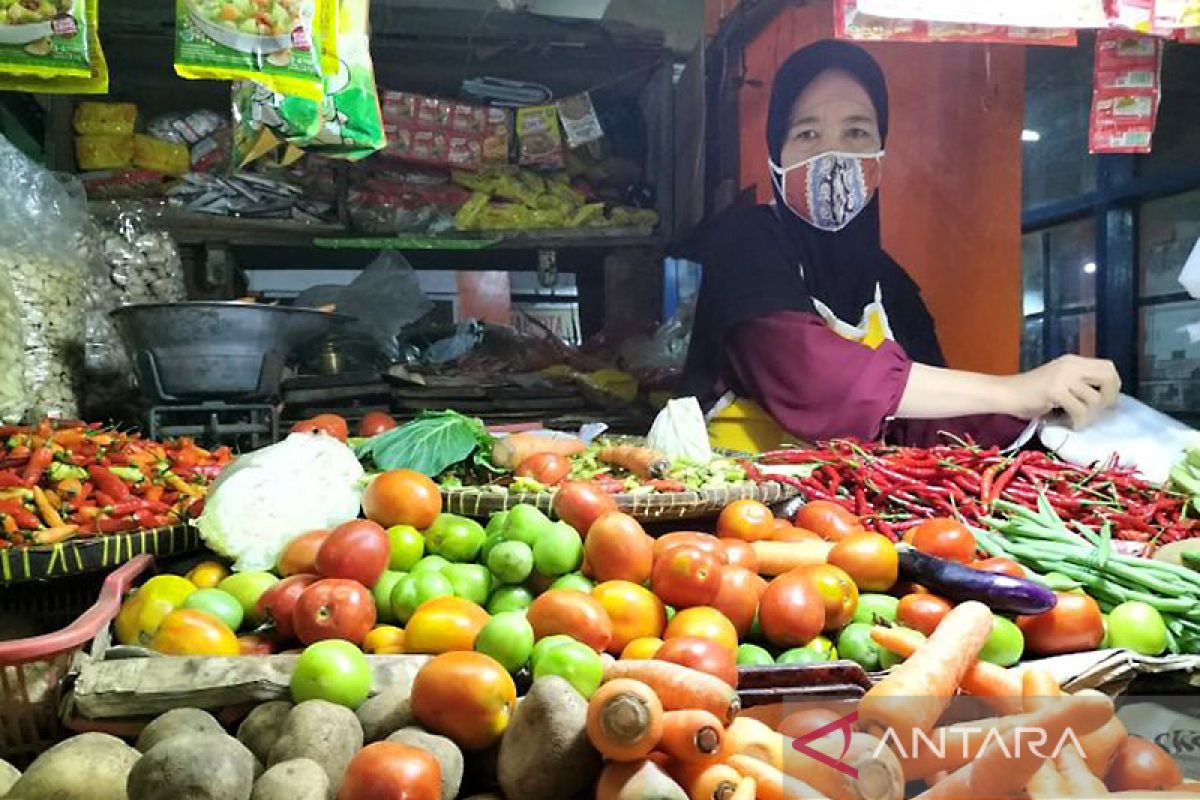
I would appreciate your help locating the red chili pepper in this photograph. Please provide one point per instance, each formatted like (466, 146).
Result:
(114, 524)
(1006, 478)
(38, 461)
(9, 479)
(885, 528)
(21, 515)
(109, 483)
(666, 485)
(860, 502)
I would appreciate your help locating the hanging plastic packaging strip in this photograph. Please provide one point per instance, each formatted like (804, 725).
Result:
(1004, 13)
(53, 48)
(1126, 90)
(851, 23)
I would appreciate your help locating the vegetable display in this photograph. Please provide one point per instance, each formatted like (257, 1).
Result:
(60, 481)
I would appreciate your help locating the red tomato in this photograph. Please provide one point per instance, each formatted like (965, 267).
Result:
(705, 541)
(392, 771)
(827, 520)
(465, 696)
(739, 554)
(945, 538)
(548, 469)
(358, 550)
(1073, 625)
(300, 554)
(278, 604)
(330, 424)
(580, 616)
(617, 548)
(748, 520)
(704, 655)
(402, 497)
(334, 609)
(837, 591)
(1142, 766)
(579, 504)
(375, 422)
(251, 644)
(1000, 566)
(737, 597)
(791, 611)
(686, 576)
(922, 612)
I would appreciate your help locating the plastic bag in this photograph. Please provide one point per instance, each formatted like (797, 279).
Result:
(679, 431)
(384, 298)
(53, 47)
(274, 42)
(13, 399)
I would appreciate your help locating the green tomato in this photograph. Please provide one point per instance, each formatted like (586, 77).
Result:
(1106, 642)
(1137, 626)
(332, 670)
(526, 524)
(755, 633)
(247, 587)
(511, 562)
(429, 564)
(751, 655)
(802, 655)
(496, 523)
(871, 606)
(470, 581)
(670, 610)
(575, 661)
(824, 646)
(407, 547)
(856, 644)
(574, 581)
(220, 604)
(558, 551)
(489, 544)
(414, 589)
(546, 644)
(1005, 644)
(509, 598)
(455, 538)
(382, 592)
(508, 638)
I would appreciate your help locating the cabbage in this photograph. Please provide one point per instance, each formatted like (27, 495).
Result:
(264, 499)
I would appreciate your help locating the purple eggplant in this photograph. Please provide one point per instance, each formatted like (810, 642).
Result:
(958, 582)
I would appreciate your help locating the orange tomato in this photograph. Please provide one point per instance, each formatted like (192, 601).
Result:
(705, 541)
(207, 574)
(332, 424)
(738, 597)
(740, 554)
(702, 654)
(790, 611)
(1001, 566)
(578, 615)
(190, 632)
(444, 624)
(838, 591)
(635, 611)
(466, 696)
(827, 520)
(748, 520)
(644, 648)
(618, 548)
(384, 640)
(686, 576)
(402, 497)
(869, 558)
(299, 556)
(703, 622)
(945, 538)
(922, 612)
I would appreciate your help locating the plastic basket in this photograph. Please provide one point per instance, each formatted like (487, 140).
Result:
(33, 670)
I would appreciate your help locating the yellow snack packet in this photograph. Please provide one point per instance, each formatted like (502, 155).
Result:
(98, 119)
(104, 152)
(169, 158)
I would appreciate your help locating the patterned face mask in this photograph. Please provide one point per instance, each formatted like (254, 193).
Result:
(829, 190)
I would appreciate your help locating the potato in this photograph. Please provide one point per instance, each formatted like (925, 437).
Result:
(329, 734)
(198, 766)
(8, 776)
(177, 721)
(448, 756)
(261, 727)
(298, 779)
(545, 751)
(385, 713)
(91, 766)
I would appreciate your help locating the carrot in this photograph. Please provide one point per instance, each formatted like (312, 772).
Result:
(1102, 744)
(691, 734)
(752, 738)
(44, 507)
(1041, 690)
(996, 686)
(769, 714)
(879, 774)
(511, 450)
(624, 720)
(746, 790)
(645, 462)
(772, 784)
(776, 558)
(705, 781)
(637, 780)
(679, 687)
(1047, 784)
(916, 693)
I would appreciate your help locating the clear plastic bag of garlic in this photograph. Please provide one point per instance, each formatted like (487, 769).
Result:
(143, 260)
(13, 400)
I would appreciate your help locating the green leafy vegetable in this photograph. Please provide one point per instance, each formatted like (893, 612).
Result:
(431, 443)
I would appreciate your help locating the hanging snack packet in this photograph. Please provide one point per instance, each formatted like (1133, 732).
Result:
(274, 42)
(51, 46)
(579, 120)
(538, 137)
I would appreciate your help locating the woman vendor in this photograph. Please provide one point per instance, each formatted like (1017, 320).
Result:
(803, 313)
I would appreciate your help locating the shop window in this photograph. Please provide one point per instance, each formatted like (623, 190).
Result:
(1169, 228)
(1033, 275)
(1169, 370)
(1176, 135)
(1055, 160)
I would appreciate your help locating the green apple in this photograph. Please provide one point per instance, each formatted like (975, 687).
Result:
(382, 591)
(407, 546)
(470, 581)
(247, 587)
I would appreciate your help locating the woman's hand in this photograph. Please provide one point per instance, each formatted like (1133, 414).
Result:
(1081, 387)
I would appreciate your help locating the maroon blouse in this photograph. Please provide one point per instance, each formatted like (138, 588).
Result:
(818, 385)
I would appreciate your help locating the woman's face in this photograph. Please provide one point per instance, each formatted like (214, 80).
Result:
(833, 112)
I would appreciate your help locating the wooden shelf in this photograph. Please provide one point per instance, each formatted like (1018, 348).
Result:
(192, 228)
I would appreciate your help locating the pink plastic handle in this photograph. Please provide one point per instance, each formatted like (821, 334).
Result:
(88, 624)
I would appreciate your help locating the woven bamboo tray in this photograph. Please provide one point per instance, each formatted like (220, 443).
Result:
(96, 554)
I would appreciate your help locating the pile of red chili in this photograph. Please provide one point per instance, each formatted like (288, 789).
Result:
(894, 488)
(60, 480)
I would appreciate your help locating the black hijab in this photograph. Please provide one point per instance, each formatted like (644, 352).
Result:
(764, 259)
